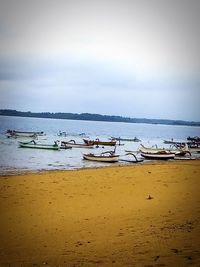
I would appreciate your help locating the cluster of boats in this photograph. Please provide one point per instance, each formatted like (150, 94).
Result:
(193, 144)
(176, 149)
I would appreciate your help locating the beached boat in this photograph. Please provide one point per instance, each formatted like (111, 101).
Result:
(98, 142)
(72, 143)
(108, 156)
(33, 144)
(162, 155)
(177, 152)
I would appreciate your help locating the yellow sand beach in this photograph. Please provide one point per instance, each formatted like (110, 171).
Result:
(136, 215)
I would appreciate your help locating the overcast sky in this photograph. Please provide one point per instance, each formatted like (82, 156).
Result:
(137, 58)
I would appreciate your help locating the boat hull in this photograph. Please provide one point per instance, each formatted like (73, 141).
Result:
(33, 136)
(126, 139)
(68, 144)
(37, 146)
(101, 143)
(100, 158)
(11, 133)
(158, 156)
(177, 152)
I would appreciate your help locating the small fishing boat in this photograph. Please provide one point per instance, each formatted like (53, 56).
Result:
(72, 143)
(62, 134)
(135, 139)
(22, 136)
(162, 155)
(33, 144)
(177, 143)
(98, 142)
(177, 152)
(24, 133)
(108, 156)
(170, 142)
(194, 139)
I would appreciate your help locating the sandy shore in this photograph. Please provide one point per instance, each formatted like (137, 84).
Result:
(102, 217)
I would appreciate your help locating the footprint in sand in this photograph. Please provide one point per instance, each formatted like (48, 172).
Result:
(175, 250)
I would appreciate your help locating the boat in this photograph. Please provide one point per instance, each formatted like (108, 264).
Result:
(135, 139)
(169, 142)
(97, 142)
(193, 139)
(20, 134)
(72, 143)
(177, 152)
(108, 156)
(162, 155)
(62, 134)
(33, 144)
(178, 144)
(24, 133)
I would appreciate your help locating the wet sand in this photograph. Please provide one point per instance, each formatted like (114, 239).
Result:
(139, 215)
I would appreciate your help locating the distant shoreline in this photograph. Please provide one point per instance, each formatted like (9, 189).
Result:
(94, 117)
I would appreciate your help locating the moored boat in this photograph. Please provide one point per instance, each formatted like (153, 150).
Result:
(33, 144)
(135, 139)
(172, 142)
(24, 133)
(63, 134)
(194, 139)
(72, 143)
(108, 156)
(20, 134)
(98, 142)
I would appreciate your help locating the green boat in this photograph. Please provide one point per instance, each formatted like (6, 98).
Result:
(33, 144)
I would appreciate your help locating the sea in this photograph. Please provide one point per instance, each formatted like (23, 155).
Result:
(14, 160)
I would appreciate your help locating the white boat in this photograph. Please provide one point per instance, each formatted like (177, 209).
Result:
(177, 152)
(108, 156)
(163, 155)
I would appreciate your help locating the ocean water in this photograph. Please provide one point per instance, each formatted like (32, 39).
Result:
(14, 159)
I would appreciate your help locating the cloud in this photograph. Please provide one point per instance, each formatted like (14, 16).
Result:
(116, 57)
(152, 36)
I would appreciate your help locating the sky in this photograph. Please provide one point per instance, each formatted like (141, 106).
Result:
(133, 58)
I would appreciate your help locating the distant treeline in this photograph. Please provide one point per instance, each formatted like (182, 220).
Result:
(93, 117)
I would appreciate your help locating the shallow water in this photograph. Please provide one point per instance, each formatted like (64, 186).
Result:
(15, 159)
